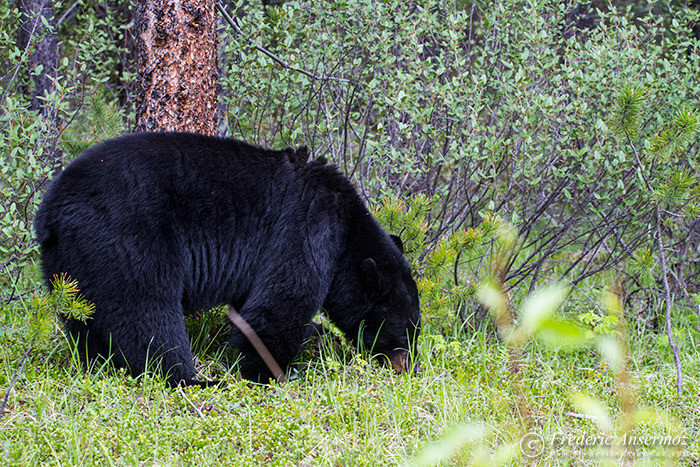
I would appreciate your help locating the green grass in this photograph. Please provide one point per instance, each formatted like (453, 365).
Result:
(339, 409)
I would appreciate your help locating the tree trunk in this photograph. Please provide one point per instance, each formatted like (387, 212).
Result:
(41, 40)
(176, 43)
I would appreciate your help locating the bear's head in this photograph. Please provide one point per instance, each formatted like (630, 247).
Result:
(374, 301)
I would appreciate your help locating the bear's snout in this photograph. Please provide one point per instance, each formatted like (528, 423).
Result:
(400, 361)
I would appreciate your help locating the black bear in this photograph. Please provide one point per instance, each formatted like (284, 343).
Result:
(155, 226)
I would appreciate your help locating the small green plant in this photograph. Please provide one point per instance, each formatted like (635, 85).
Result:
(64, 300)
(41, 317)
(100, 119)
(667, 182)
(444, 289)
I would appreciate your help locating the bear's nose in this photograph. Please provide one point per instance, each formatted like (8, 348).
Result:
(400, 361)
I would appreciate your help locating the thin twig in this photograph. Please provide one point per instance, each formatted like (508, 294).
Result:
(68, 12)
(257, 344)
(580, 416)
(5, 301)
(667, 292)
(23, 57)
(184, 396)
(284, 64)
(684, 289)
(15, 377)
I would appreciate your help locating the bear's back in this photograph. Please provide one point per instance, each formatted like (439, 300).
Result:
(178, 184)
(173, 155)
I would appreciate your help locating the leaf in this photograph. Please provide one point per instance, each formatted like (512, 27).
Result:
(610, 349)
(444, 448)
(491, 296)
(611, 304)
(655, 417)
(677, 134)
(594, 409)
(540, 306)
(627, 110)
(562, 332)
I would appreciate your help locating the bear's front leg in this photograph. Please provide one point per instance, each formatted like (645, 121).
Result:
(281, 330)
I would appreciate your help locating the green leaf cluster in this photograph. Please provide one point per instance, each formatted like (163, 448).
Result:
(444, 289)
(627, 110)
(679, 132)
(64, 300)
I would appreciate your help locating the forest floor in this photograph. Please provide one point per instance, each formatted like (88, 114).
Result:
(339, 408)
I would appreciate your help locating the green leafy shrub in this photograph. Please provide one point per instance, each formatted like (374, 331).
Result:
(511, 109)
(34, 145)
(444, 287)
(23, 169)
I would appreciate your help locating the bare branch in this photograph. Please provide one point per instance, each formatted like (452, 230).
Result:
(667, 299)
(257, 344)
(284, 64)
(14, 379)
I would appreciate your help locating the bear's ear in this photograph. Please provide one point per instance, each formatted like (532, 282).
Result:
(297, 156)
(301, 155)
(370, 275)
(398, 242)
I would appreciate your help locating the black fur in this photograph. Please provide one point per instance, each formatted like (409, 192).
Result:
(157, 226)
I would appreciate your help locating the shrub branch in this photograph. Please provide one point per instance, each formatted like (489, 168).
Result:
(15, 377)
(664, 276)
(274, 57)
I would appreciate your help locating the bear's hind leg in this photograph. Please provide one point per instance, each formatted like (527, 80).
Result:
(154, 340)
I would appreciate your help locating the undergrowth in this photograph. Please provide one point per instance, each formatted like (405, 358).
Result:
(339, 408)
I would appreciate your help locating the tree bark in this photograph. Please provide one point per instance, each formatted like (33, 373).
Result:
(176, 43)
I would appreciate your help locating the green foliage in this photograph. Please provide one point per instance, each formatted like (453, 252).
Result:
(23, 169)
(454, 441)
(339, 409)
(470, 115)
(64, 300)
(209, 333)
(99, 120)
(627, 110)
(679, 132)
(537, 319)
(601, 321)
(483, 111)
(30, 149)
(679, 190)
(408, 221)
(539, 315)
(8, 35)
(443, 290)
(642, 264)
(667, 182)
